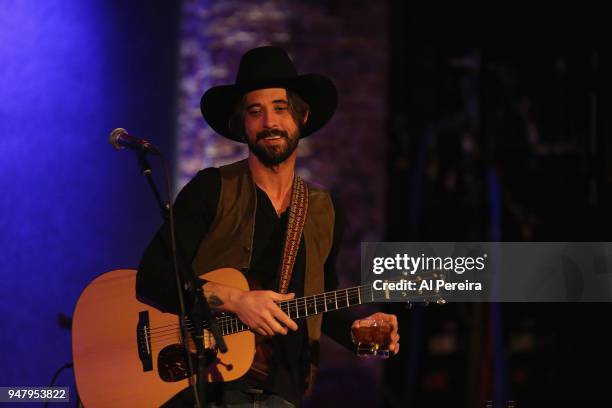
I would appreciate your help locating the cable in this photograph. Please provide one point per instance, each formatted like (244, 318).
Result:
(57, 373)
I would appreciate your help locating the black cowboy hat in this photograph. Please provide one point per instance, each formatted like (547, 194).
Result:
(269, 67)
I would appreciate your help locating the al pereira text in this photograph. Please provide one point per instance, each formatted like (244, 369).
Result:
(426, 285)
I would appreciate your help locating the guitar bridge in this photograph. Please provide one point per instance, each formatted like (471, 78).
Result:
(143, 337)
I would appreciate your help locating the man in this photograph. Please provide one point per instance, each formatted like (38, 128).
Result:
(238, 216)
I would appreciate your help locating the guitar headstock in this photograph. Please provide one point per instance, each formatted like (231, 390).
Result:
(425, 287)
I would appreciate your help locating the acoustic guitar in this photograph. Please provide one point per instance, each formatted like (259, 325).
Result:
(128, 353)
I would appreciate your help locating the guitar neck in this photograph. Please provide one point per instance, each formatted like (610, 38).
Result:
(307, 306)
(327, 302)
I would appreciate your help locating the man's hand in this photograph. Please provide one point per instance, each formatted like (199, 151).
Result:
(258, 310)
(392, 319)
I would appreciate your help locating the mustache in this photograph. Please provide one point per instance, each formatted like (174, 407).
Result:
(271, 132)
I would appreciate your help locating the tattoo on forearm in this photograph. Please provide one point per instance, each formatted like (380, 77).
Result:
(213, 300)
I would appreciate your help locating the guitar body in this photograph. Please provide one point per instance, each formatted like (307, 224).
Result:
(128, 353)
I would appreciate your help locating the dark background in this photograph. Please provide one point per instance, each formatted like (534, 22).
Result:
(500, 136)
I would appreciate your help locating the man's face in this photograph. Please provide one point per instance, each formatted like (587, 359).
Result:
(271, 131)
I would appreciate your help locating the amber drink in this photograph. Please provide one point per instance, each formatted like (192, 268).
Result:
(372, 338)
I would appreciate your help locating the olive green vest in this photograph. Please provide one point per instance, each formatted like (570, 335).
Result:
(229, 242)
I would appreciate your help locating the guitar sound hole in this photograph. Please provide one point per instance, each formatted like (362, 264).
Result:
(172, 363)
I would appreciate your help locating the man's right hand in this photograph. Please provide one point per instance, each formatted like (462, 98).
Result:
(258, 310)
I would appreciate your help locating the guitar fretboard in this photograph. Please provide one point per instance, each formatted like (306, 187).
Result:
(329, 301)
(307, 306)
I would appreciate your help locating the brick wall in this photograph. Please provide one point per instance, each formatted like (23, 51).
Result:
(344, 40)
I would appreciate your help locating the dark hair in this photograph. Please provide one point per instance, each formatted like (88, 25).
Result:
(297, 107)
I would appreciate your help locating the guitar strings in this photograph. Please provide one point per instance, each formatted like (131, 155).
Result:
(292, 306)
(289, 306)
(230, 324)
(226, 328)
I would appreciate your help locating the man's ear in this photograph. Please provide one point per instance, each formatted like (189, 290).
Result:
(305, 117)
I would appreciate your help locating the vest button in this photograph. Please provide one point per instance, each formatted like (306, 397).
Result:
(246, 248)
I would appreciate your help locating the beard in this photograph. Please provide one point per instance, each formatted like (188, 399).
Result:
(273, 155)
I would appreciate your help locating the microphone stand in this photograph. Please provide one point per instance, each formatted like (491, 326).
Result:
(145, 167)
(187, 281)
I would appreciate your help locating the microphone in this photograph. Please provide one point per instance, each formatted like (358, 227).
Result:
(120, 139)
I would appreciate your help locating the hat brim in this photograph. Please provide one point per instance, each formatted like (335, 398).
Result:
(218, 103)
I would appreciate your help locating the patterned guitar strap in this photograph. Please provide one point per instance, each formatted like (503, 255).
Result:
(298, 208)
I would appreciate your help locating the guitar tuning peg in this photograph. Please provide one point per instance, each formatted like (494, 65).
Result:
(408, 305)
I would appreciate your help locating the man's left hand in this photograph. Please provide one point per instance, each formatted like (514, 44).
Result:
(392, 319)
